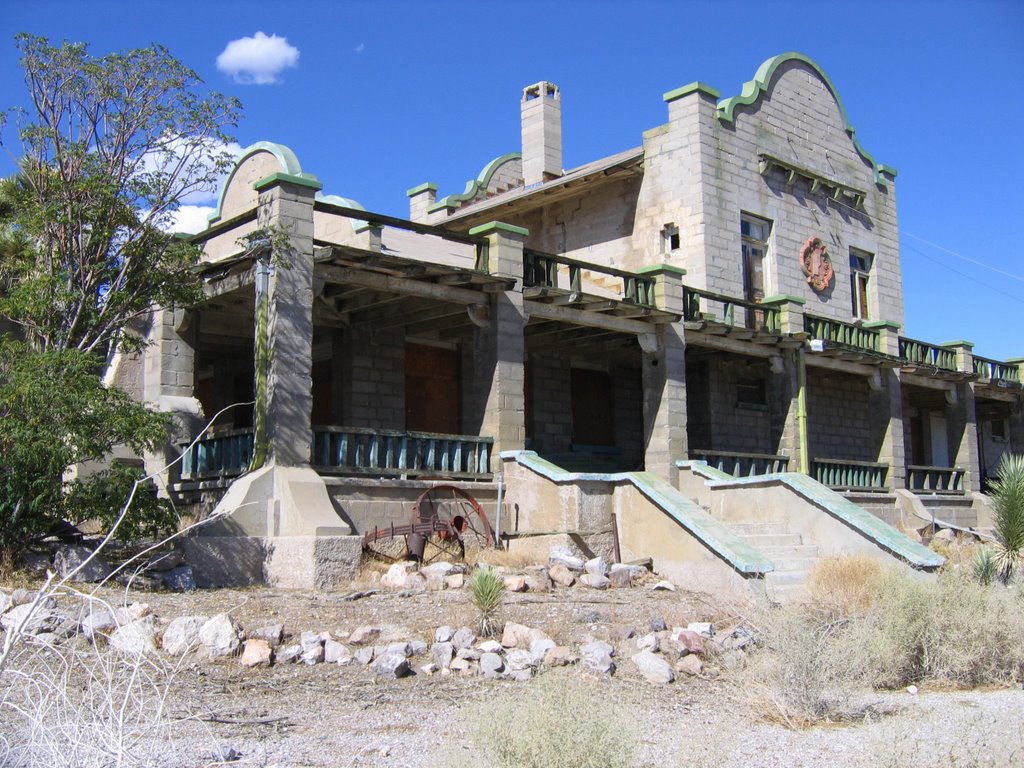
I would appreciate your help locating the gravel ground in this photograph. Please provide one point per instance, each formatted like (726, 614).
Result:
(295, 715)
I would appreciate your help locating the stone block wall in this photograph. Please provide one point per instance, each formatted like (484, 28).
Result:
(373, 379)
(839, 417)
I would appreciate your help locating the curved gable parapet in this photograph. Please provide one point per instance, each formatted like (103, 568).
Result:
(287, 162)
(480, 185)
(358, 225)
(754, 89)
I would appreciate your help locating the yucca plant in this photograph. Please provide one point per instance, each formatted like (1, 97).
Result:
(984, 567)
(1008, 500)
(486, 589)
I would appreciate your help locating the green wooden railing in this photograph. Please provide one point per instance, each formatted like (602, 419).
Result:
(739, 464)
(921, 479)
(922, 353)
(839, 334)
(843, 475)
(541, 270)
(220, 455)
(996, 370)
(704, 305)
(350, 450)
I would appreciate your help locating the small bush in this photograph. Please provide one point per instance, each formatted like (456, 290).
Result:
(486, 590)
(845, 586)
(949, 631)
(559, 722)
(984, 566)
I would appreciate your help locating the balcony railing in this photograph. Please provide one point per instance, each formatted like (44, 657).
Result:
(542, 270)
(218, 455)
(996, 370)
(922, 479)
(704, 305)
(386, 453)
(843, 475)
(922, 353)
(740, 464)
(839, 334)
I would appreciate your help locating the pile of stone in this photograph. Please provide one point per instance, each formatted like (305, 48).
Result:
(165, 569)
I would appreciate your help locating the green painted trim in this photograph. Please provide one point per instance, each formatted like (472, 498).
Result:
(286, 178)
(358, 225)
(656, 269)
(1018, 361)
(714, 534)
(288, 160)
(782, 298)
(686, 90)
(892, 326)
(753, 89)
(887, 169)
(498, 226)
(424, 187)
(839, 507)
(475, 185)
(958, 343)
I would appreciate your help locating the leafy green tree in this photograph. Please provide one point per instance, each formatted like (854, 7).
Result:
(108, 150)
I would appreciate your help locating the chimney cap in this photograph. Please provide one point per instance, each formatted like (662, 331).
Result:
(543, 88)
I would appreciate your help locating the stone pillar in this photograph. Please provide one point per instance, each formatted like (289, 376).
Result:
(420, 199)
(664, 379)
(961, 420)
(885, 403)
(783, 407)
(791, 312)
(500, 348)
(287, 202)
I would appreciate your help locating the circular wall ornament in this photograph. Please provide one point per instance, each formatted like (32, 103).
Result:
(816, 264)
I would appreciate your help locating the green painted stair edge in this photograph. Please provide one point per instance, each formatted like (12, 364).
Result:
(835, 504)
(714, 535)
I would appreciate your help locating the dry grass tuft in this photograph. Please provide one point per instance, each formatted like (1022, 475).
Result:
(844, 587)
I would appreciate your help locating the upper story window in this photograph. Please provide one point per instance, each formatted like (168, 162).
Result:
(670, 238)
(754, 235)
(860, 273)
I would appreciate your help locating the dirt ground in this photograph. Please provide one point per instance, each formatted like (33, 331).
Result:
(328, 715)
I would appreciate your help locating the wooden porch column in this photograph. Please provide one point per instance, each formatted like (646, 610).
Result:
(500, 348)
(287, 202)
(664, 379)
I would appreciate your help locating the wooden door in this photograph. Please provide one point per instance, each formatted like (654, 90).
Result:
(432, 389)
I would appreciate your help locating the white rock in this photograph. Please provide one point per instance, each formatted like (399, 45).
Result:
(97, 619)
(363, 635)
(490, 646)
(666, 585)
(36, 622)
(491, 665)
(520, 636)
(443, 634)
(182, 634)
(596, 565)
(540, 647)
(463, 638)
(391, 665)
(136, 638)
(289, 654)
(337, 653)
(705, 628)
(595, 581)
(598, 657)
(563, 556)
(398, 574)
(653, 668)
(440, 570)
(561, 575)
(221, 636)
(517, 660)
(648, 642)
(312, 648)
(443, 654)
(257, 653)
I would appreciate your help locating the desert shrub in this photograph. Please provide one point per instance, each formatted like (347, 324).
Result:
(805, 671)
(844, 586)
(559, 722)
(984, 567)
(486, 590)
(1008, 503)
(946, 631)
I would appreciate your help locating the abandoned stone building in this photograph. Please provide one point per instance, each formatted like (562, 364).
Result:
(689, 351)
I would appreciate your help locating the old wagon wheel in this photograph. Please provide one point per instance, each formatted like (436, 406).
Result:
(452, 523)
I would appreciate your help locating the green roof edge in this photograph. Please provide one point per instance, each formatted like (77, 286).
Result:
(686, 90)
(475, 185)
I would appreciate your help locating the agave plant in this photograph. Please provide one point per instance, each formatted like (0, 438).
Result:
(486, 590)
(984, 567)
(1008, 500)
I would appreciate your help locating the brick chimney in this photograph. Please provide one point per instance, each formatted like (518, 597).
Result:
(542, 133)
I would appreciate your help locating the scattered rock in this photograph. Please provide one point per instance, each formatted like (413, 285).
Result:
(180, 579)
(403, 649)
(136, 638)
(73, 556)
(460, 665)
(688, 641)
(443, 654)
(182, 634)
(289, 654)
(272, 633)
(97, 619)
(491, 665)
(463, 638)
(620, 578)
(363, 635)
(443, 634)
(455, 581)
(515, 584)
(648, 642)
(618, 634)
(563, 556)
(520, 636)
(256, 653)
(398, 575)
(337, 653)
(653, 668)
(561, 575)
(559, 656)
(666, 585)
(391, 666)
(166, 561)
(595, 581)
(490, 646)
(126, 614)
(312, 648)
(596, 566)
(42, 620)
(363, 655)
(597, 656)
(518, 660)
(221, 636)
(539, 648)
(657, 624)
(690, 665)
(703, 628)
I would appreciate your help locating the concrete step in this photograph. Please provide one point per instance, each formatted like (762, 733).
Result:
(766, 527)
(786, 593)
(785, 578)
(765, 541)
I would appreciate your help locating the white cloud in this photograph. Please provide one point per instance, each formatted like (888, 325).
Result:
(257, 60)
(360, 48)
(190, 218)
(196, 158)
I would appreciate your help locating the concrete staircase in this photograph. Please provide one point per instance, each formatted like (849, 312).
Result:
(792, 558)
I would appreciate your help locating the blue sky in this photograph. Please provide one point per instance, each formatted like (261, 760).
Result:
(375, 98)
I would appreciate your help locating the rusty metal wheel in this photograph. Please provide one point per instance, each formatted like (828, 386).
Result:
(453, 524)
